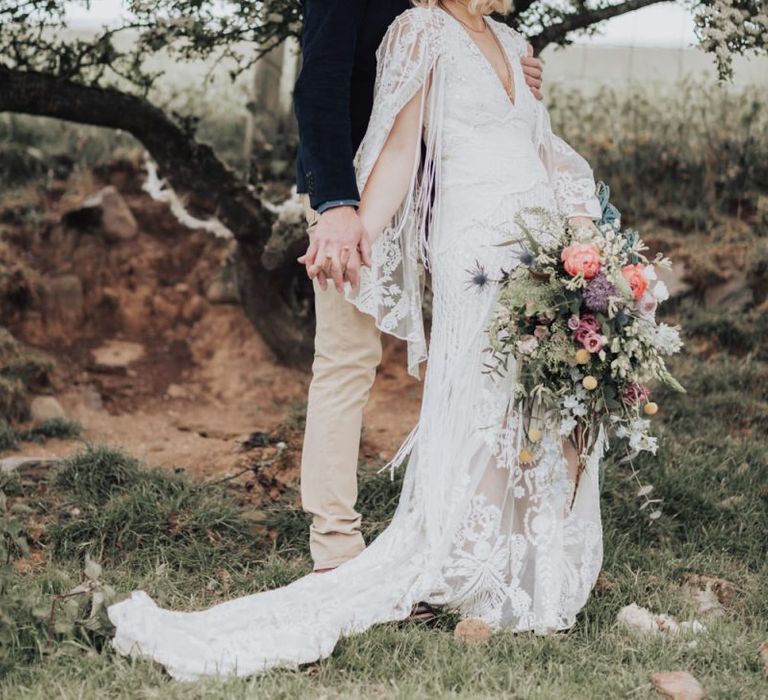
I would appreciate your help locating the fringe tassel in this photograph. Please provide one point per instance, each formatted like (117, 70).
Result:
(401, 454)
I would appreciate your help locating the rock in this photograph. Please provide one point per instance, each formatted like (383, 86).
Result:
(604, 584)
(116, 219)
(708, 593)
(762, 654)
(63, 306)
(45, 408)
(472, 632)
(175, 391)
(678, 685)
(731, 502)
(117, 354)
(12, 464)
(637, 619)
(91, 398)
(165, 309)
(642, 621)
(193, 308)
(223, 290)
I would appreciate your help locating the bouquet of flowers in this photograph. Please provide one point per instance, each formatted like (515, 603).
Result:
(578, 315)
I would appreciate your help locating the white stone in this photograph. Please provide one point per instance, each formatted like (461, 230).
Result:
(45, 408)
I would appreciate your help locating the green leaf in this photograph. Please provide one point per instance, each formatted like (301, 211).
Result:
(92, 568)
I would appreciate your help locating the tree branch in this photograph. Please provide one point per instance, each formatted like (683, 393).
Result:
(581, 20)
(191, 168)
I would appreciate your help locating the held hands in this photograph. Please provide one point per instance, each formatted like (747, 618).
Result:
(533, 72)
(338, 246)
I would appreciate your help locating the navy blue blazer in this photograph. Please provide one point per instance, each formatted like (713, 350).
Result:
(333, 97)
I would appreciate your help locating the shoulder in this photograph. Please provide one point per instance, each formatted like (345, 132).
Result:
(418, 26)
(511, 36)
(419, 19)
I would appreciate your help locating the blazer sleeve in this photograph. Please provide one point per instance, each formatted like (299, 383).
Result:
(322, 98)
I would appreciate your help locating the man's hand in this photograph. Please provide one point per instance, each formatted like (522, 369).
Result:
(533, 72)
(337, 247)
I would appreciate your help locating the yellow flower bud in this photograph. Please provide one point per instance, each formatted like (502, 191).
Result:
(582, 356)
(589, 382)
(651, 408)
(526, 457)
(534, 434)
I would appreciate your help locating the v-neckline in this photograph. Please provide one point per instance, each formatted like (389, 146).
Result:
(511, 99)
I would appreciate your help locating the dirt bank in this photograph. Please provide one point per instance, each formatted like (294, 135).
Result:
(152, 352)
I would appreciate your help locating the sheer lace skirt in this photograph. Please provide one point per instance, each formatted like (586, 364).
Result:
(475, 529)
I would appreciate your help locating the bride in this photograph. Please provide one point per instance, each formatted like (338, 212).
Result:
(453, 153)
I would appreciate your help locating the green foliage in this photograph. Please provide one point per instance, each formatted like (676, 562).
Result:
(60, 428)
(681, 159)
(95, 474)
(21, 370)
(123, 511)
(240, 31)
(8, 439)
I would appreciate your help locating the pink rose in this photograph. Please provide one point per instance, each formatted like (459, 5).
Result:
(637, 281)
(573, 322)
(581, 258)
(593, 342)
(635, 393)
(581, 334)
(589, 322)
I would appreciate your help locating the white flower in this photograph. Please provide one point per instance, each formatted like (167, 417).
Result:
(666, 339)
(649, 272)
(570, 402)
(660, 291)
(527, 345)
(567, 426)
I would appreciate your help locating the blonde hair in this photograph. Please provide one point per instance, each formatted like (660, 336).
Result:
(476, 7)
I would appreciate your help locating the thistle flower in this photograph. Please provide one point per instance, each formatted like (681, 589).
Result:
(598, 292)
(526, 258)
(478, 277)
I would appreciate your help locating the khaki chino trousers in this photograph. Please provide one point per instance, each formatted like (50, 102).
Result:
(347, 352)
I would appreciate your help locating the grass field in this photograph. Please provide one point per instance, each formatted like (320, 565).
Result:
(191, 546)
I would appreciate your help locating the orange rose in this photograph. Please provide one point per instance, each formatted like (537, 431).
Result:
(637, 281)
(581, 258)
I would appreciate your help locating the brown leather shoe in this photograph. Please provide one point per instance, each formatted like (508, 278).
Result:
(422, 612)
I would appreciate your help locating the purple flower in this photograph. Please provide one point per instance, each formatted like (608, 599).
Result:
(597, 293)
(573, 322)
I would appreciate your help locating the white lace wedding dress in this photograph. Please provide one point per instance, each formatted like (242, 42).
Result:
(475, 529)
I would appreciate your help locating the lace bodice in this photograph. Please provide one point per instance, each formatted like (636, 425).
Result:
(478, 144)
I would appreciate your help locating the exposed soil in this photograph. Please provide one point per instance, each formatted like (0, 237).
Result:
(146, 357)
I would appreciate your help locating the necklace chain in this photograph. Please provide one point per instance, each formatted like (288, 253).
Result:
(458, 19)
(507, 81)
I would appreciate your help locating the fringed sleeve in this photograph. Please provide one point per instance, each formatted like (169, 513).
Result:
(391, 290)
(569, 173)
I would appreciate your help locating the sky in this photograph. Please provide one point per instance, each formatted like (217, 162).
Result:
(667, 24)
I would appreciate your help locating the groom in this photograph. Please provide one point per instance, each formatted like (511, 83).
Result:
(333, 102)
